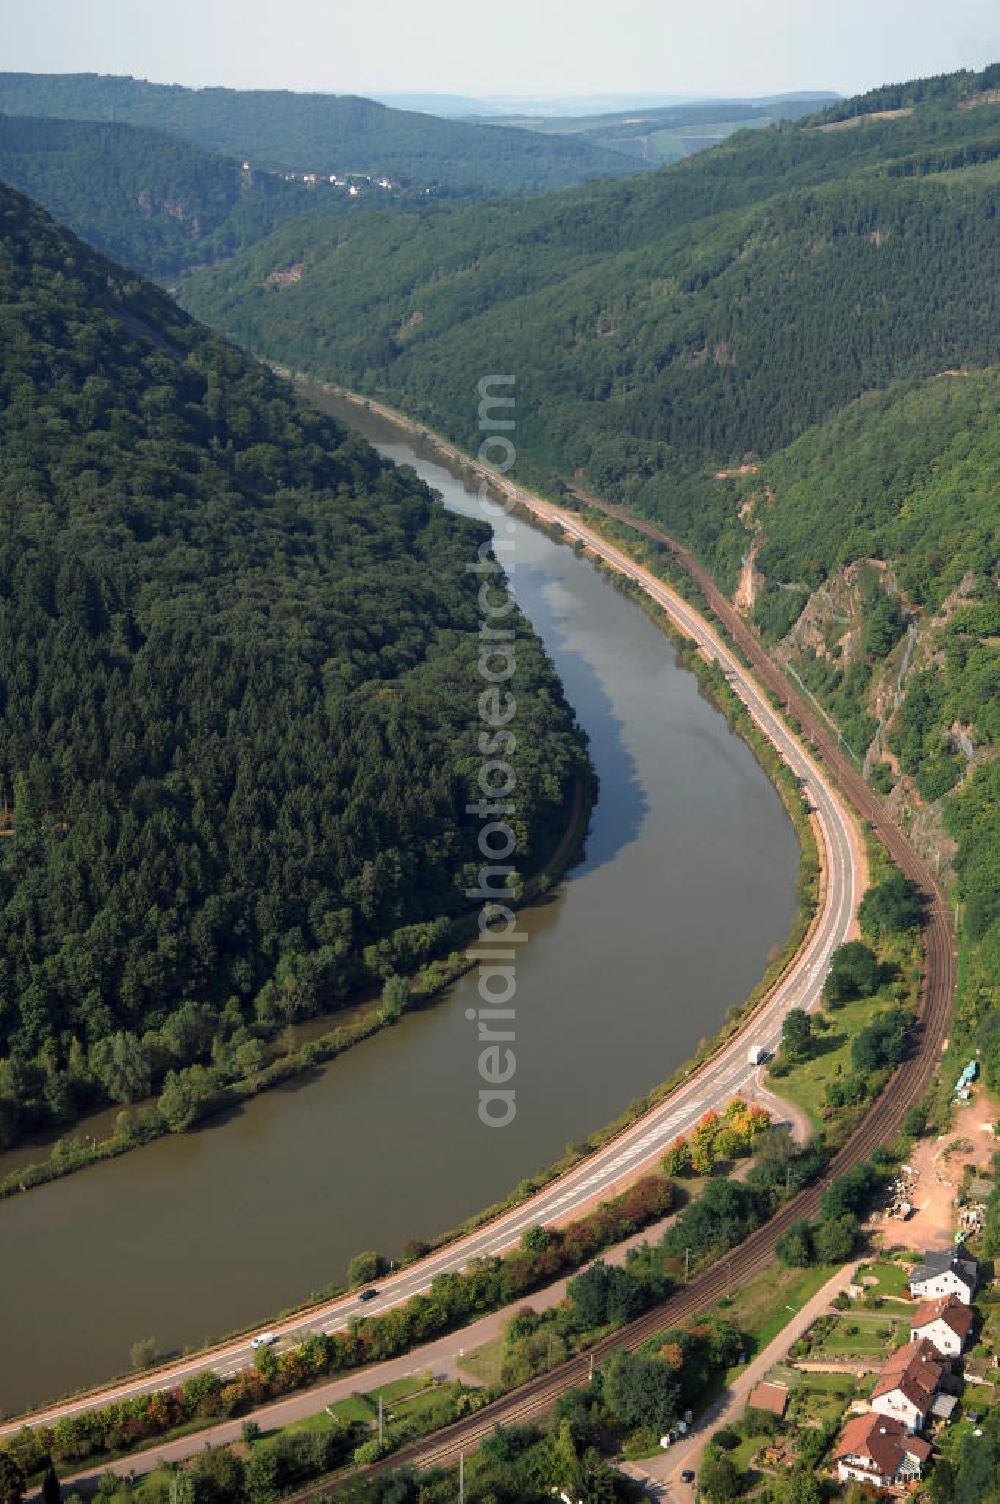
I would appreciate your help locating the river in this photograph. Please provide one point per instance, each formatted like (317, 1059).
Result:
(686, 887)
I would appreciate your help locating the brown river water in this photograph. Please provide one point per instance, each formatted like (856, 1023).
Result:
(686, 886)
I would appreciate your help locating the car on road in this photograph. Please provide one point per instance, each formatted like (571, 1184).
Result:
(368, 1295)
(687, 1475)
(266, 1339)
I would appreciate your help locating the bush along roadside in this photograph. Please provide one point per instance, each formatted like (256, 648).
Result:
(972, 819)
(509, 1465)
(648, 1276)
(835, 1235)
(544, 1254)
(710, 1225)
(834, 1062)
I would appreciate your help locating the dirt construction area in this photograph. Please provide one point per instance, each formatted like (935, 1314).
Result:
(935, 1175)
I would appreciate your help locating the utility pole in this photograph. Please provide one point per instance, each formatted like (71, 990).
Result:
(591, 1376)
(381, 1421)
(461, 1478)
(687, 1264)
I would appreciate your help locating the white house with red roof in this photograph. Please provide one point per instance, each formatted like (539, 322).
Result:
(906, 1388)
(878, 1450)
(946, 1322)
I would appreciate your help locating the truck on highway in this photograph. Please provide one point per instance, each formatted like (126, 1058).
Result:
(756, 1054)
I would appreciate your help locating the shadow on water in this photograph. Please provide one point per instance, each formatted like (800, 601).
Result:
(623, 799)
(226, 1116)
(539, 562)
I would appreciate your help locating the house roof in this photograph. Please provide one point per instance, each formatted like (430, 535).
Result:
(915, 1370)
(882, 1440)
(940, 1260)
(947, 1308)
(773, 1397)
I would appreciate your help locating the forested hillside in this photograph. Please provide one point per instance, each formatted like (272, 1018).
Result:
(321, 132)
(154, 201)
(238, 694)
(785, 350)
(906, 472)
(718, 306)
(876, 551)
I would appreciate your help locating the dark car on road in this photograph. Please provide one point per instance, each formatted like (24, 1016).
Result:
(687, 1476)
(368, 1295)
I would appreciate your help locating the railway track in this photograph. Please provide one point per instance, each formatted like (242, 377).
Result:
(535, 1399)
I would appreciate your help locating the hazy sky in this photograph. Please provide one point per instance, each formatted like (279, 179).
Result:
(504, 46)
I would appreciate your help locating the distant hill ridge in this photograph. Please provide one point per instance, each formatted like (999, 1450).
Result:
(157, 202)
(657, 134)
(681, 318)
(320, 132)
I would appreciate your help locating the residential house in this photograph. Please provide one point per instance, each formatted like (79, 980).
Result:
(948, 1272)
(946, 1322)
(879, 1450)
(906, 1387)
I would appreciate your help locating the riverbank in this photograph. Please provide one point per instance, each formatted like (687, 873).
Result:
(670, 576)
(144, 1125)
(812, 876)
(638, 1109)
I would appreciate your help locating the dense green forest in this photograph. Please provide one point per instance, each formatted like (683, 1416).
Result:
(788, 345)
(163, 204)
(718, 306)
(238, 694)
(159, 203)
(908, 657)
(321, 132)
(961, 86)
(905, 472)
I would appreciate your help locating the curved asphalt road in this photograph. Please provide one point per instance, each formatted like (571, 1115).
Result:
(639, 1146)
